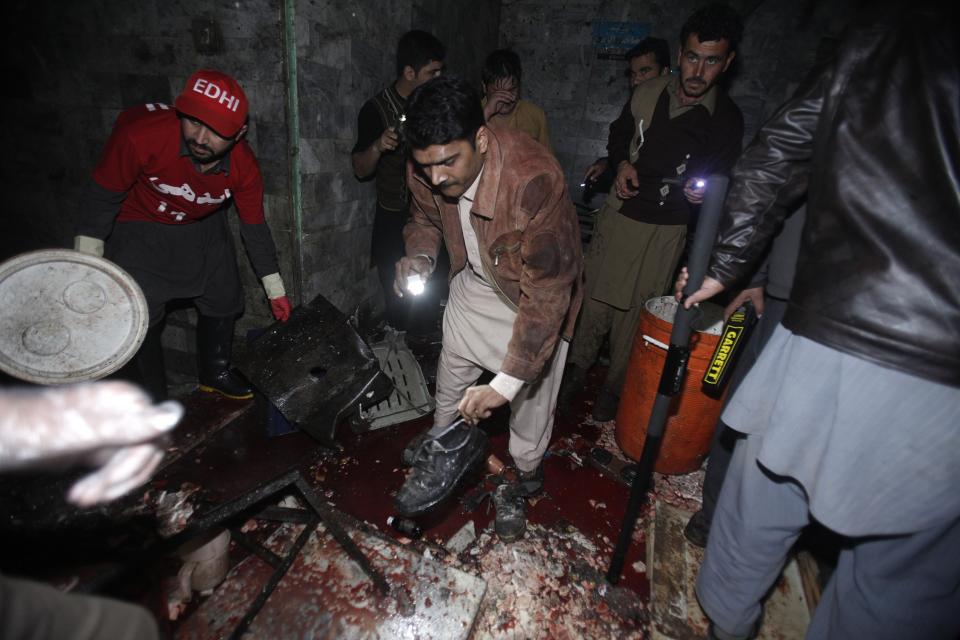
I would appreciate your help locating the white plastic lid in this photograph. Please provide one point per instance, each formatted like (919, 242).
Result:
(709, 320)
(66, 316)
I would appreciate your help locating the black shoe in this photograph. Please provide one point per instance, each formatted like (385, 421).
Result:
(438, 466)
(409, 451)
(572, 384)
(530, 483)
(605, 408)
(214, 342)
(510, 522)
(697, 529)
(227, 384)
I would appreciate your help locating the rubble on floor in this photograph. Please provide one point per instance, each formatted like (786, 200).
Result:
(546, 585)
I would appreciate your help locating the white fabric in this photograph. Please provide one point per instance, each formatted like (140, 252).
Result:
(464, 204)
(875, 449)
(88, 245)
(504, 384)
(477, 327)
(273, 285)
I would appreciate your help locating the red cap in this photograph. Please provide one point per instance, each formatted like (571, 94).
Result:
(215, 99)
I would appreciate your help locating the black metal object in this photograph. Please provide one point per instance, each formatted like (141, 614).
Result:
(736, 332)
(341, 536)
(321, 512)
(278, 573)
(675, 366)
(673, 370)
(315, 369)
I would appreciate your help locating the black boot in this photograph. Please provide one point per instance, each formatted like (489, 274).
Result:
(698, 529)
(214, 341)
(530, 483)
(510, 521)
(605, 408)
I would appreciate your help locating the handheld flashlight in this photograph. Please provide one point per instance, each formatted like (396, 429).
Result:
(700, 183)
(415, 284)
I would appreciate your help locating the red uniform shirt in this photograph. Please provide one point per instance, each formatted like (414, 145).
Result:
(143, 158)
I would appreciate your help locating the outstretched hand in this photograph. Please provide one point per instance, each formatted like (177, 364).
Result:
(112, 425)
(707, 290)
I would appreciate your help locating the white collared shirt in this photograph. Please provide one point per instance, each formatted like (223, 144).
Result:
(504, 384)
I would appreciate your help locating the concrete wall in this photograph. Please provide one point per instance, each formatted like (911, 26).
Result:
(81, 64)
(71, 67)
(582, 95)
(346, 54)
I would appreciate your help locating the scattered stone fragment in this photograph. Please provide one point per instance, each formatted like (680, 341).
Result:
(462, 539)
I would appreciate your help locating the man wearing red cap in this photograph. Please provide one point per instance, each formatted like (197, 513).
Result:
(152, 208)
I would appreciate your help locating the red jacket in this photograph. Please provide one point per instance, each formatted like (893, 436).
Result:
(529, 242)
(143, 157)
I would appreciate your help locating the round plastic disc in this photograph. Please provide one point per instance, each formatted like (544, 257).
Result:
(66, 316)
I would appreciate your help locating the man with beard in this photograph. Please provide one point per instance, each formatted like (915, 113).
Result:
(497, 200)
(850, 413)
(673, 132)
(155, 208)
(648, 59)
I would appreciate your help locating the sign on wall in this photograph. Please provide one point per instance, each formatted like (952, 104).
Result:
(612, 40)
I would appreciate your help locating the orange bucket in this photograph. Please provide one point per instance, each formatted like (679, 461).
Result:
(693, 414)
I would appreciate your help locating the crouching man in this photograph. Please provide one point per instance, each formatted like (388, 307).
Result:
(499, 203)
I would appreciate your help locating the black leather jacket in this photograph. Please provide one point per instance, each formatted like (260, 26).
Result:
(879, 132)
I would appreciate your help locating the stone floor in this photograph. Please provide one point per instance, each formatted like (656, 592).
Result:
(546, 585)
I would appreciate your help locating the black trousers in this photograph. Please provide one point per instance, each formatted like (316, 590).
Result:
(170, 262)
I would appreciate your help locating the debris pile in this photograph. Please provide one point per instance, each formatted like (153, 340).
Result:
(172, 509)
(545, 585)
(682, 491)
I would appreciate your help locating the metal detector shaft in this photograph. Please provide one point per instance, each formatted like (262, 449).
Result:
(673, 369)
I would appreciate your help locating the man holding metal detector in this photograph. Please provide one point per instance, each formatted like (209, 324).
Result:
(851, 411)
(499, 202)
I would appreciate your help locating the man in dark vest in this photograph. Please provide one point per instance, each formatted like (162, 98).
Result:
(673, 131)
(379, 152)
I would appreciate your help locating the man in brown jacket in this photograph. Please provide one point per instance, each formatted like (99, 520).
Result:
(499, 203)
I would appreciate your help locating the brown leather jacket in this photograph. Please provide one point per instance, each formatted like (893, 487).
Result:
(529, 242)
(878, 129)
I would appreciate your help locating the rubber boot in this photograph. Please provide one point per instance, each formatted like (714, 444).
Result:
(214, 343)
(510, 521)
(605, 408)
